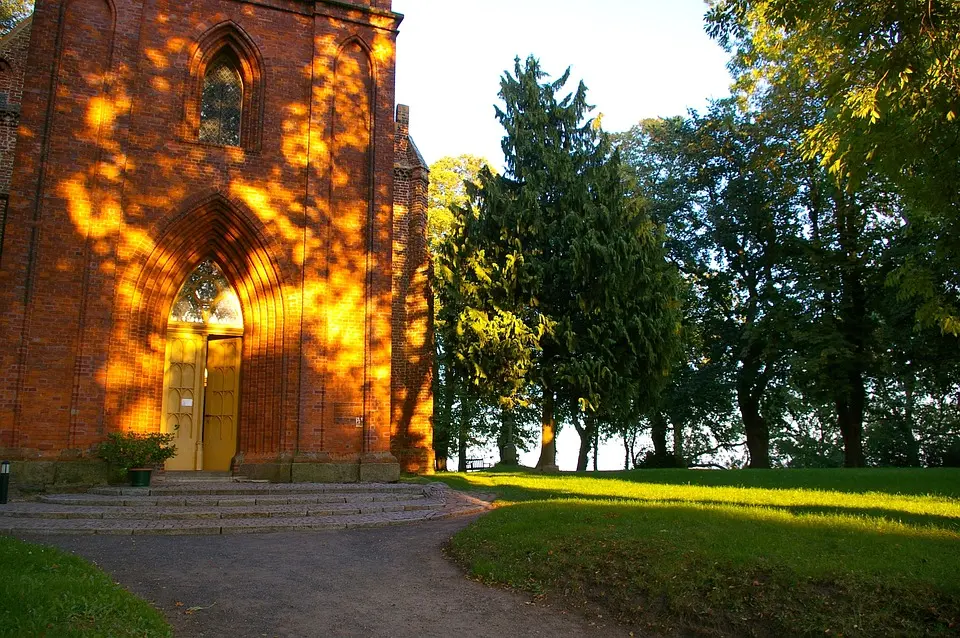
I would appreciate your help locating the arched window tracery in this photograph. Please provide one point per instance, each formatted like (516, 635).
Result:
(206, 297)
(221, 103)
(224, 103)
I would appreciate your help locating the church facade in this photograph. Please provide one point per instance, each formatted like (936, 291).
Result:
(213, 226)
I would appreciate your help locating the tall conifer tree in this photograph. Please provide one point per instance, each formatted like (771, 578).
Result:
(551, 279)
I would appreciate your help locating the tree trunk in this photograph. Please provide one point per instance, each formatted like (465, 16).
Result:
(678, 440)
(750, 388)
(587, 433)
(629, 447)
(548, 434)
(596, 445)
(758, 436)
(505, 442)
(850, 406)
(443, 412)
(754, 425)
(464, 430)
(658, 432)
(851, 396)
(586, 441)
(582, 433)
(913, 446)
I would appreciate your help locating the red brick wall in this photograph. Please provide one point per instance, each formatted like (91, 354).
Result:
(114, 201)
(412, 307)
(13, 57)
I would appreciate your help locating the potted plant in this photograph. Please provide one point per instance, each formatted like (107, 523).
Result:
(137, 453)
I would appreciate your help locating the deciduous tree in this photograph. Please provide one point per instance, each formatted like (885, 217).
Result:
(447, 194)
(717, 184)
(885, 78)
(12, 11)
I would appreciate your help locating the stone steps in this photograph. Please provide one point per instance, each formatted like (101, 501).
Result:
(168, 476)
(222, 500)
(153, 512)
(166, 489)
(228, 507)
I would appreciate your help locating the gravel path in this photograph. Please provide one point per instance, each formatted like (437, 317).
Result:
(389, 581)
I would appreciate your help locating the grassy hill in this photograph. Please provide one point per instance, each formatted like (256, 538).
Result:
(729, 553)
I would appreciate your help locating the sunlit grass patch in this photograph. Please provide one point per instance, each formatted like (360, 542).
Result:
(729, 559)
(47, 592)
(519, 486)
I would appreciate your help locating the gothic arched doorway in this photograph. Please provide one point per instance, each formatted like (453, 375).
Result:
(202, 371)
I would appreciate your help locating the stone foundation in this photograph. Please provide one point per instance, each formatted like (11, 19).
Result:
(37, 476)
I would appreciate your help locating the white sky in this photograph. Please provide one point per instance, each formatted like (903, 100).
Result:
(638, 58)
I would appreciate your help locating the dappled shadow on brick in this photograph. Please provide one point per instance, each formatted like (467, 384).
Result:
(115, 200)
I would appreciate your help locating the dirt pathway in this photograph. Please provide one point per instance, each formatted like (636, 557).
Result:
(389, 581)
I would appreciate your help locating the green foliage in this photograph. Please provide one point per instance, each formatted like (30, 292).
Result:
(789, 267)
(463, 419)
(449, 180)
(551, 278)
(949, 456)
(803, 449)
(865, 94)
(883, 100)
(731, 553)
(885, 73)
(12, 12)
(912, 414)
(47, 592)
(717, 184)
(652, 460)
(449, 177)
(125, 450)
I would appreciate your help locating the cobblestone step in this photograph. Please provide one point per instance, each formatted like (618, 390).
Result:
(207, 487)
(153, 512)
(211, 526)
(216, 509)
(197, 477)
(214, 500)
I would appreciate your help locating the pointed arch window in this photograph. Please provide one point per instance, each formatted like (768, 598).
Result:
(221, 103)
(206, 297)
(224, 102)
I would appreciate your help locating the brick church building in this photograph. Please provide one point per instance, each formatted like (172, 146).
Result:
(213, 226)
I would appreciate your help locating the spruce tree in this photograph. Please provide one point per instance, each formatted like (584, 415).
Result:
(552, 283)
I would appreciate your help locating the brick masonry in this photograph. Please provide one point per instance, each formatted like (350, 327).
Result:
(317, 219)
(412, 401)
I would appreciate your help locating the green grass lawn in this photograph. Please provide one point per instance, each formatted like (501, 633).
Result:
(47, 592)
(818, 552)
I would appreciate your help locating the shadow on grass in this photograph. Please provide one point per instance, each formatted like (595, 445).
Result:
(732, 570)
(906, 481)
(949, 523)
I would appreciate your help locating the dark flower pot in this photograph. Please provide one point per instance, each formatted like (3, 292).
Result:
(139, 477)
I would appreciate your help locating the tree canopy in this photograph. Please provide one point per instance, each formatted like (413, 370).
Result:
(554, 285)
(776, 274)
(12, 12)
(880, 81)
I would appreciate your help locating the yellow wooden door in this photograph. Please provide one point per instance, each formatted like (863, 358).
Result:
(183, 384)
(220, 403)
